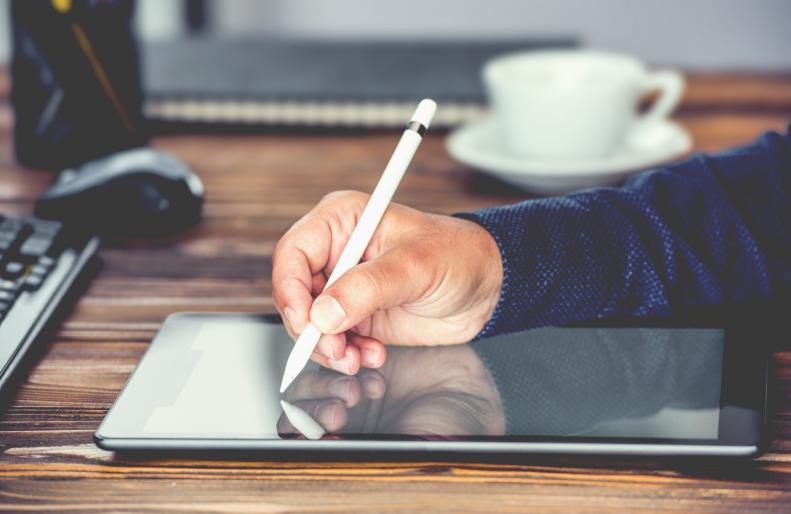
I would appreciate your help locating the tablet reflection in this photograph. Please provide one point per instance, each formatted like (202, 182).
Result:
(597, 382)
(429, 392)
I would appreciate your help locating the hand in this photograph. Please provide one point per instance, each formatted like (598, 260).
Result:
(424, 279)
(436, 391)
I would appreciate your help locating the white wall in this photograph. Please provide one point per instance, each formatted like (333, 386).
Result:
(698, 34)
(718, 34)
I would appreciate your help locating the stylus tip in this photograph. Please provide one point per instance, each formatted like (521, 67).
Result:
(287, 379)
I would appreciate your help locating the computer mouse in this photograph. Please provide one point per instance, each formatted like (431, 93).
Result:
(134, 192)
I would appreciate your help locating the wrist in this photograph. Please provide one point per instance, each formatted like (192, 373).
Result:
(495, 272)
(482, 273)
(491, 271)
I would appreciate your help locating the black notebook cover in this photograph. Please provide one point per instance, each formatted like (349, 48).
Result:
(309, 82)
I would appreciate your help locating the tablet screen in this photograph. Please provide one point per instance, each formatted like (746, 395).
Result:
(217, 377)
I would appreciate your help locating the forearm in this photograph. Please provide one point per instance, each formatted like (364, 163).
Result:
(712, 230)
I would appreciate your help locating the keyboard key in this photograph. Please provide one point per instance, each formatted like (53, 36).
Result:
(35, 247)
(46, 226)
(40, 270)
(7, 296)
(14, 269)
(33, 282)
(9, 286)
(12, 231)
(11, 226)
(47, 262)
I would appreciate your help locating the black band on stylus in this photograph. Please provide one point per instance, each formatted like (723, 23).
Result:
(417, 127)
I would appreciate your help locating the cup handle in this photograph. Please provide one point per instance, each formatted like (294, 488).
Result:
(670, 85)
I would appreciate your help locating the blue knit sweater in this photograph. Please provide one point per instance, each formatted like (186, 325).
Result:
(713, 230)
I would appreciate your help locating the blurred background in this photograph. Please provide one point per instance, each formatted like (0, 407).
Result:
(696, 35)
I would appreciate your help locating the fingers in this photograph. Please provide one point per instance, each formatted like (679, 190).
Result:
(372, 384)
(358, 352)
(303, 257)
(348, 363)
(372, 352)
(319, 281)
(386, 281)
(296, 275)
(320, 385)
(305, 251)
(292, 282)
(348, 352)
(332, 346)
(331, 398)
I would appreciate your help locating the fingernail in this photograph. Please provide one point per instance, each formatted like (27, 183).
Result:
(327, 314)
(373, 387)
(370, 357)
(327, 413)
(289, 313)
(341, 387)
(342, 365)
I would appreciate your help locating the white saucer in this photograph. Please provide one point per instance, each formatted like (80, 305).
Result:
(478, 145)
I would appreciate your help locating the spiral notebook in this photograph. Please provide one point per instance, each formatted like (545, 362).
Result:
(311, 83)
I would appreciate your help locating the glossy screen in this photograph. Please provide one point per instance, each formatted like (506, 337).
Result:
(217, 378)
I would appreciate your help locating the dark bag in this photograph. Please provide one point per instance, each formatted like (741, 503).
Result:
(76, 88)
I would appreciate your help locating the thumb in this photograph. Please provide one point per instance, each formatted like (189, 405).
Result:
(381, 283)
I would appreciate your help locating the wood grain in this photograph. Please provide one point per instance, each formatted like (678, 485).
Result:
(257, 185)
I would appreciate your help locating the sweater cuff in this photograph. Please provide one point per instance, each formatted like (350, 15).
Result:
(571, 258)
(494, 325)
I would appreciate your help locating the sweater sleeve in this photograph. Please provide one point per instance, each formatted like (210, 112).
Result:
(713, 230)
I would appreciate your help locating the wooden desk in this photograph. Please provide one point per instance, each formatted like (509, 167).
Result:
(257, 185)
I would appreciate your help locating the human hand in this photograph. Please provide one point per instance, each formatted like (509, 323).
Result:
(430, 391)
(424, 279)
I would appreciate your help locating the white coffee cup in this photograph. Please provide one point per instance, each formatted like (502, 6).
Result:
(574, 104)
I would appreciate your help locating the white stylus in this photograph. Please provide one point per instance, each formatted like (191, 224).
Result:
(302, 421)
(366, 226)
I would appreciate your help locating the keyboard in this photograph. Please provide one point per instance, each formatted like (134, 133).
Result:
(40, 261)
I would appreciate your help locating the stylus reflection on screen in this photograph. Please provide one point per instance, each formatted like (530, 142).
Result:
(302, 421)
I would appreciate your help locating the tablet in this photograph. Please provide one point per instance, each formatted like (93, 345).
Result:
(210, 382)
